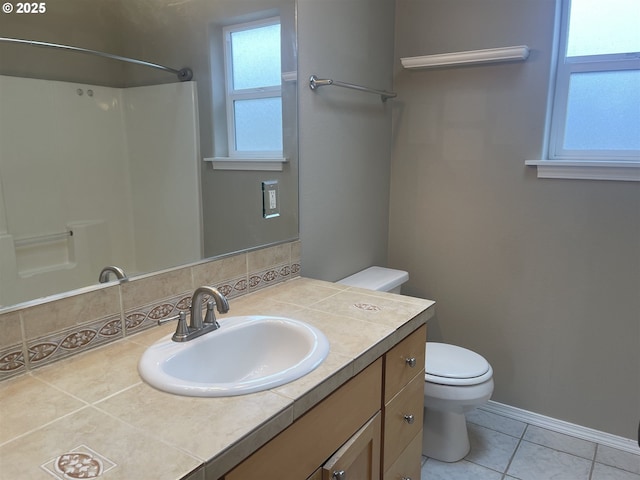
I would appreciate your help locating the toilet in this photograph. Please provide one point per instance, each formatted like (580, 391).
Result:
(457, 380)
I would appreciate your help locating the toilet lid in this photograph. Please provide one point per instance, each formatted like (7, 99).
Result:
(450, 364)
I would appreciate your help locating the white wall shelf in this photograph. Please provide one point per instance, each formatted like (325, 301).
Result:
(471, 57)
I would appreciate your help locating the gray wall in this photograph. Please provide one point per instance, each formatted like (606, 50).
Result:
(542, 277)
(345, 138)
(72, 22)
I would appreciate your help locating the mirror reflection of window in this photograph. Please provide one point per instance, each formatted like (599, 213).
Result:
(253, 88)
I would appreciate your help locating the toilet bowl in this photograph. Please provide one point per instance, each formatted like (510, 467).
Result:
(457, 380)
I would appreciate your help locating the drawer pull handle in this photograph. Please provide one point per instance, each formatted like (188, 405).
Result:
(411, 361)
(339, 475)
(405, 478)
(409, 419)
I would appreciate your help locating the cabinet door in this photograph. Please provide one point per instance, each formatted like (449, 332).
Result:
(359, 457)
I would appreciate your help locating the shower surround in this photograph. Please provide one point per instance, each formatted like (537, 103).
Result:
(117, 167)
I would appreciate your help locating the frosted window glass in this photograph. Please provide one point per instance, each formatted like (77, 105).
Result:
(603, 111)
(255, 55)
(603, 27)
(259, 124)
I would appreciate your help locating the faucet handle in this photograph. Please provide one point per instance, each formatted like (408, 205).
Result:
(182, 330)
(210, 316)
(162, 321)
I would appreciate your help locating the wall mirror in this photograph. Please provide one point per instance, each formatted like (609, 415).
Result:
(102, 161)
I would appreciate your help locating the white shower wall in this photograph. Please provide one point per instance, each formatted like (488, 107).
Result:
(163, 155)
(92, 159)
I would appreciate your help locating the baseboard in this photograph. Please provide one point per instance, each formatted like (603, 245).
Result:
(561, 426)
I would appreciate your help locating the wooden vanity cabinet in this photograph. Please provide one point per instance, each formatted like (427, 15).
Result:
(370, 428)
(403, 408)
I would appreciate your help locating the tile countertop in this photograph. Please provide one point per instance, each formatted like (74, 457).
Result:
(96, 403)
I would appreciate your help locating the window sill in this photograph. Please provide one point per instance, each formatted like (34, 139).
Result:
(247, 163)
(587, 170)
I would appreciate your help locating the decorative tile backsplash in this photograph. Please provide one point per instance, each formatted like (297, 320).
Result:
(12, 361)
(147, 316)
(87, 320)
(76, 339)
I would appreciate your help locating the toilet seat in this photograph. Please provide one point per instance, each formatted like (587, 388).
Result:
(452, 365)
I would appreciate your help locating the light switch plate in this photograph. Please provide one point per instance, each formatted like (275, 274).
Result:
(270, 199)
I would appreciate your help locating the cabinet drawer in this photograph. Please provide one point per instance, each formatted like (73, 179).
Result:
(409, 463)
(398, 370)
(398, 429)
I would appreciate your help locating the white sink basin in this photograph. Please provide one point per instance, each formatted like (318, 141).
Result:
(245, 355)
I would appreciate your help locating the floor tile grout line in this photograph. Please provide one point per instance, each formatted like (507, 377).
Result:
(505, 417)
(561, 451)
(481, 465)
(624, 469)
(593, 462)
(569, 454)
(515, 450)
(595, 444)
(498, 431)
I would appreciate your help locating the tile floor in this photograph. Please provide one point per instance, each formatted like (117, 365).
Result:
(507, 449)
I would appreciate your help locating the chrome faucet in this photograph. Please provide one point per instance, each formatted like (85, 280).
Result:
(197, 325)
(221, 304)
(117, 271)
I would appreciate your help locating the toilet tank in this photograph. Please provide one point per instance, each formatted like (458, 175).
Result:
(377, 278)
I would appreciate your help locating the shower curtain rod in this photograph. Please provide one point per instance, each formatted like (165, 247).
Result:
(184, 74)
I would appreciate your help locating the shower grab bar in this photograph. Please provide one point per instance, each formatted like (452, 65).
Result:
(37, 239)
(315, 82)
(184, 74)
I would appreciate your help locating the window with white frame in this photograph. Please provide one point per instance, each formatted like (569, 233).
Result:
(596, 107)
(253, 89)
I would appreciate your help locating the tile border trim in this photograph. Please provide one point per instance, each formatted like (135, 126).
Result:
(144, 317)
(12, 361)
(71, 341)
